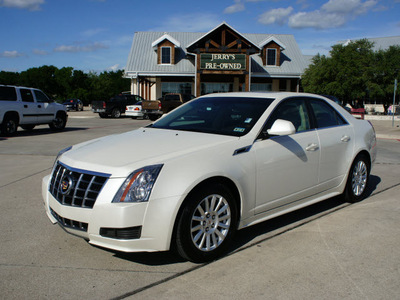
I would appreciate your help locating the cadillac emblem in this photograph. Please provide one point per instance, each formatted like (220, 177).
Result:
(66, 184)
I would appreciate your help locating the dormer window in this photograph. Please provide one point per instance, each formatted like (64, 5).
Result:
(271, 51)
(166, 55)
(166, 48)
(271, 57)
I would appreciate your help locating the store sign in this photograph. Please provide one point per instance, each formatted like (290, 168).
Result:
(223, 62)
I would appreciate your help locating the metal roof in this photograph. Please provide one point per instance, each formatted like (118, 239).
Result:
(380, 43)
(142, 58)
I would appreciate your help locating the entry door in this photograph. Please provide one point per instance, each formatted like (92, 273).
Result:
(287, 169)
(337, 143)
(287, 166)
(44, 109)
(29, 111)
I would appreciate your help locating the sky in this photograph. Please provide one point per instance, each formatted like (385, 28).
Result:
(96, 35)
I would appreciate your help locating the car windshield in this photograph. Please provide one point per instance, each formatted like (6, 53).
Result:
(233, 116)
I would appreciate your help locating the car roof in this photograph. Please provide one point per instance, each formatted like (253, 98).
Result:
(273, 95)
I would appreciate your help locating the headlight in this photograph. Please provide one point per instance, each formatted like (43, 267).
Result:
(137, 186)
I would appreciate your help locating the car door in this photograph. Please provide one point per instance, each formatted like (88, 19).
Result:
(44, 108)
(287, 166)
(336, 137)
(29, 107)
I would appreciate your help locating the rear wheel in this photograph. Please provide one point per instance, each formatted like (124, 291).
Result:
(115, 113)
(357, 180)
(152, 117)
(207, 224)
(9, 126)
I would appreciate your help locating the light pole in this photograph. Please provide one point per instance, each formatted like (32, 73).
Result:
(394, 95)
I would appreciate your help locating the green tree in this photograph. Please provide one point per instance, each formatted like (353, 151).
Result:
(9, 78)
(347, 73)
(42, 78)
(64, 83)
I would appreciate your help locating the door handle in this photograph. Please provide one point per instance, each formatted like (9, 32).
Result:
(25, 106)
(345, 139)
(39, 106)
(312, 147)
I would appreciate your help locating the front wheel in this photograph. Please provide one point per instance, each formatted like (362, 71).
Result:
(207, 224)
(59, 122)
(358, 179)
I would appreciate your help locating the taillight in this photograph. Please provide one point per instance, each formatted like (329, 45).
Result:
(159, 105)
(104, 104)
(137, 108)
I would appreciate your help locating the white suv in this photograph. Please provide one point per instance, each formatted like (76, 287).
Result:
(28, 107)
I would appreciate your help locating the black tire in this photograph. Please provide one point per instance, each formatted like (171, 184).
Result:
(206, 224)
(28, 127)
(9, 126)
(115, 113)
(59, 122)
(153, 117)
(358, 179)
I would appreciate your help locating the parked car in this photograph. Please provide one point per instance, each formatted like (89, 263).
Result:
(73, 104)
(27, 107)
(214, 165)
(134, 111)
(115, 106)
(155, 109)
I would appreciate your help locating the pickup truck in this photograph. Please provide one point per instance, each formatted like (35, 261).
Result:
(116, 106)
(27, 107)
(155, 108)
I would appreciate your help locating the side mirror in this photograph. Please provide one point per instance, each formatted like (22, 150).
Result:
(282, 127)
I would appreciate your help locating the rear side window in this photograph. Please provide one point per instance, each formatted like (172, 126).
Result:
(41, 97)
(326, 115)
(26, 95)
(8, 93)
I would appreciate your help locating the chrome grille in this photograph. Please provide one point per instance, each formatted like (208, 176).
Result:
(69, 223)
(81, 190)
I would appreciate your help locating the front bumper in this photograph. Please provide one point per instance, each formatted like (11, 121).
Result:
(127, 227)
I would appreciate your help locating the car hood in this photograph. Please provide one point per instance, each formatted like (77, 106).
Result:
(121, 154)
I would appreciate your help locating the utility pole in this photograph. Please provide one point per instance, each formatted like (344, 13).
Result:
(394, 100)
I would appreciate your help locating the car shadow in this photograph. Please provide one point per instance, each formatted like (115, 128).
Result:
(41, 131)
(253, 235)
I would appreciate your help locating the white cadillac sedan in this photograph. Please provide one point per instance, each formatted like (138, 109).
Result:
(216, 164)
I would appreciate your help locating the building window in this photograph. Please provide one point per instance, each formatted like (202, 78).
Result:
(256, 87)
(271, 57)
(216, 87)
(184, 88)
(166, 55)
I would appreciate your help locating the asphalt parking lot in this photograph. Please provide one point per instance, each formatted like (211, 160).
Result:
(331, 250)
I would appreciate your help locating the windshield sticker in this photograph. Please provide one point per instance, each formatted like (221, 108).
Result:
(239, 129)
(248, 120)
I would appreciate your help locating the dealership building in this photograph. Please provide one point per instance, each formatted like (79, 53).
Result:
(221, 60)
